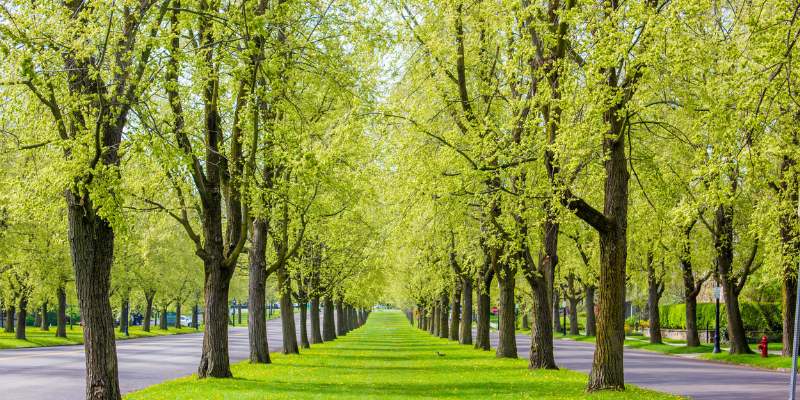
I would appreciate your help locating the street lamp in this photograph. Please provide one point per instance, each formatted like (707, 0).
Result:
(716, 322)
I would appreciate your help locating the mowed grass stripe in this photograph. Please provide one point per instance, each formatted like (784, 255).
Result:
(388, 359)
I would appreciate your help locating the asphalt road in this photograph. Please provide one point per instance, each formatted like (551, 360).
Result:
(696, 379)
(57, 373)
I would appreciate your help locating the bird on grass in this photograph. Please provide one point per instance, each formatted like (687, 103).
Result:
(440, 354)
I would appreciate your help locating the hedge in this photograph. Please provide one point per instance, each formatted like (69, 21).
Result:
(756, 316)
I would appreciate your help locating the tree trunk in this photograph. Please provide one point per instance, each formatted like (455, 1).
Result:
(92, 249)
(455, 310)
(654, 290)
(256, 295)
(436, 321)
(10, 315)
(45, 326)
(788, 297)
(507, 321)
(287, 313)
(195, 316)
(123, 315)
(214, 360)
(607, 365)
(540, 279)
(541, 355)
(303, 331)
(163, 322)
(316, 334)
(690, 290)
(239, 311)
(148, 311)
(692, 336)
(557, 311)
(484, 311)
(444, 327)
(61, 319)
(22, 316)
(328, 323)
(177, 314)
(573, 316)
(340, 329)
(465, 337)
(723, 242)
(526, 322)
(591, 324)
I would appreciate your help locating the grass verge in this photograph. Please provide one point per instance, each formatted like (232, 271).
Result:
(388, 359)
(39, 338)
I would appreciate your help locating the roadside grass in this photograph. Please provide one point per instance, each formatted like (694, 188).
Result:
(39, 338)
(753, 360)
(703, 352)
(388, 359)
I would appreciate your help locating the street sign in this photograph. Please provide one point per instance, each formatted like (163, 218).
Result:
(717, 293)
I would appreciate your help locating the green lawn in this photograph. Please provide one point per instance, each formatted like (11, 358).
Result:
(39, 338)
(754, 360)
(703, 351)
(388, 359)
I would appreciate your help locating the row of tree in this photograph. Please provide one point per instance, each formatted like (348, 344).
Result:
(584, 149)
(147, 141)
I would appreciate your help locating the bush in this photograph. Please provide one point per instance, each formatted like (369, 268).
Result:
(756, 316)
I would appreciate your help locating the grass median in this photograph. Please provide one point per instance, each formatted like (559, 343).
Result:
(39, 338)
(388, 359)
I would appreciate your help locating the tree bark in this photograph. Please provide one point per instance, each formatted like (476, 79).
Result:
(256, 295)
(287, 313)
(465, 337)
(148, 311)
(573, 316)
(163, 322)
(655, 287)
(92, 250)
(557, 311)
(444, 327)
(328, 323)
(177, 314)
(723, 242)
(10, 318)
(303, 331)
(22, 316)
(45, 326)
(507, 321)
(691, 289)
(436, 321)
(316, 333)
(123, 315)
(340, 323)
(455, 311)
(607, 365)
(591, 323)
(61, 319)
(214, 359)
(484, 310)
(790, 238)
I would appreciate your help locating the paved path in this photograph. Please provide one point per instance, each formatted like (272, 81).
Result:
(697, 379)
(57, 373)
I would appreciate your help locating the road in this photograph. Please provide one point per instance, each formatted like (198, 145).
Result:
(57, 373)
(698, 379)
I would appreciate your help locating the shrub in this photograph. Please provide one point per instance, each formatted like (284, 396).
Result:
(756, 316)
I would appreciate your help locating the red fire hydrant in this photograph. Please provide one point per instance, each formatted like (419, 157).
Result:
(763, 346)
